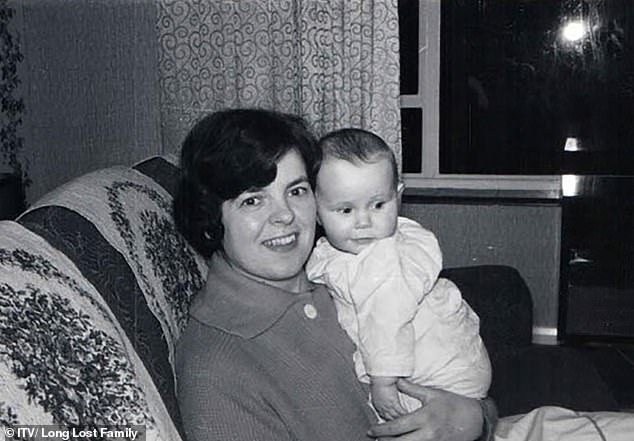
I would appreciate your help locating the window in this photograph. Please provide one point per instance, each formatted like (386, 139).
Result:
(513, 94)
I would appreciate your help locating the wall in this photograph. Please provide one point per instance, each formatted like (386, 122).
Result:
(526, 237)
(90, 86)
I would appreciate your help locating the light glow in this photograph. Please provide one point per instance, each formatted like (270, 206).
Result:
(572, 145)
(574, 31)
(570, 185)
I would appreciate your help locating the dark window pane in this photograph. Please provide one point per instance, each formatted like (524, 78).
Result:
(411, 136)
(537, 86)
(408, 36)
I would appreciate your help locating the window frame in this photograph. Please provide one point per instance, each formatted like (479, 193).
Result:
(428, 100)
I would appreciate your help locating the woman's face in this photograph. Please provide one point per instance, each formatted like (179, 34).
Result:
(269, 231)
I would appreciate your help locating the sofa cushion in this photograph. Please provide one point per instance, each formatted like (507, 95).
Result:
(108, 271)
(162, 169)
(64, 358)
(116, 226)
(134, 215)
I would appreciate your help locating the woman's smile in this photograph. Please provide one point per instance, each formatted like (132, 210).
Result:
(281, 243)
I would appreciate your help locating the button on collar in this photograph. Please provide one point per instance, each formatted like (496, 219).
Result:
(310, 311)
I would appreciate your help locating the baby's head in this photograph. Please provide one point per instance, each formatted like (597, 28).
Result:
(357, 189)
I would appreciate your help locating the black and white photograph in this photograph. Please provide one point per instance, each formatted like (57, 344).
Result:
(317, 220)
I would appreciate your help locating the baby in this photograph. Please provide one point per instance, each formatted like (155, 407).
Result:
(382, 271)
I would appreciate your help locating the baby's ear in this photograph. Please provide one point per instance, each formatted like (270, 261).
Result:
(399, 192)
(399, 189)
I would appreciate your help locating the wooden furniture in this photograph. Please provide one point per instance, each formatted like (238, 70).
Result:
(597, 277)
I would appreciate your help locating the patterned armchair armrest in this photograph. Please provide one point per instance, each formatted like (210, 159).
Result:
(115, 225)
(64, 358)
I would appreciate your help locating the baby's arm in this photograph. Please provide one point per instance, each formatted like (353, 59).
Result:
(420, 256)
(384, 394)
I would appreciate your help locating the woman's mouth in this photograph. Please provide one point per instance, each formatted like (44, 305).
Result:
(281, 242)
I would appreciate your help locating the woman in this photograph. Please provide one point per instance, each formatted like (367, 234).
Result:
(263, 357)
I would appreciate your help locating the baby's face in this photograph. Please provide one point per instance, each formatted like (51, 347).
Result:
(357, 203)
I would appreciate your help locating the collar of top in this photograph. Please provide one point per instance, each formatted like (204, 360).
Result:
(239, 305)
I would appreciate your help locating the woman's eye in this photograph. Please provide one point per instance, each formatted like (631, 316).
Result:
(250, 202)
(299, 191)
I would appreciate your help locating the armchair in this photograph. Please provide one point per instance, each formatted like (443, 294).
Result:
(526, 375)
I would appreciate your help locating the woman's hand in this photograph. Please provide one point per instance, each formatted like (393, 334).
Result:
(444, 416)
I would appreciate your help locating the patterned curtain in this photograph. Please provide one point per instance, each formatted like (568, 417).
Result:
(334, 62)
(11, 106)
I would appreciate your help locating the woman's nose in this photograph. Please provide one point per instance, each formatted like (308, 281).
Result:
(282, 213)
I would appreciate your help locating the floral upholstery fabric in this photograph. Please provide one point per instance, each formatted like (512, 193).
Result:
(127, 280)
(64, 359)
(133, 213)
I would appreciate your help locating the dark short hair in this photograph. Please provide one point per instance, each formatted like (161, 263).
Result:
(357, 145)
(227, 153)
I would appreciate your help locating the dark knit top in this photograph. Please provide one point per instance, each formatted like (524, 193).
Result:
(260, 363)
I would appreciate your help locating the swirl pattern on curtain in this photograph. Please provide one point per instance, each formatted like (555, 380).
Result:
(333, 62)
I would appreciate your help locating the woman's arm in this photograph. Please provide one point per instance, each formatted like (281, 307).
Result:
(444, 416)
(227, 413)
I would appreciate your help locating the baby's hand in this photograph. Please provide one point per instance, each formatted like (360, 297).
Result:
(385, 397)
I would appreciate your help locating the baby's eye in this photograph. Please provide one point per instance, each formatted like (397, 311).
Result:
(251, 201)
(344, 210)
(379, 205)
